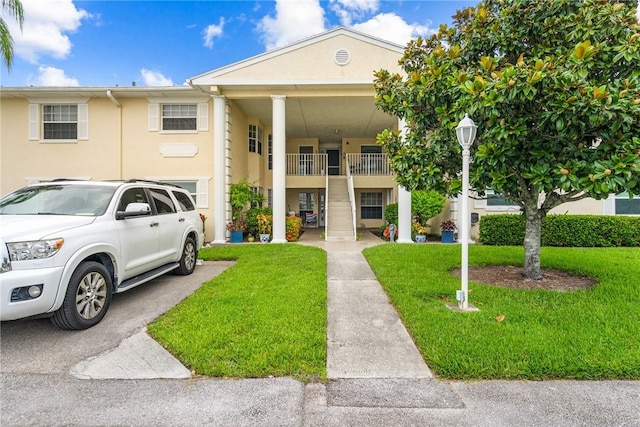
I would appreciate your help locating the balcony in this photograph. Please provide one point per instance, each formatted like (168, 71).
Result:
(306, 164)
(369, 164)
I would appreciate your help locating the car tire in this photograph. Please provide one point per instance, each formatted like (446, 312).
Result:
(87, 298)
(188, 258)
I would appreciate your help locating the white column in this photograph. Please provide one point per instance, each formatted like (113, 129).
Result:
(404, 202)
(219, 169)
(279, 169)
(404, 215)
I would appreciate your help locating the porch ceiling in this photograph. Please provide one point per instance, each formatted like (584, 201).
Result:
(327, 118)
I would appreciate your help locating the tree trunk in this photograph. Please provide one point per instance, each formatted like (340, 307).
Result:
(532, 239)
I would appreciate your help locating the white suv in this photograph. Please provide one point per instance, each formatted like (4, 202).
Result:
(67, 246)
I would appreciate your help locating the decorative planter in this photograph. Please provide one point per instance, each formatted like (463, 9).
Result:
(447, 237)
(236, 236)
(264, 238)
(421, 238)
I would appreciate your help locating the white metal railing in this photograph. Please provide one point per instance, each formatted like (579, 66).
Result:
(306, 164)
(368, 163)
(352, 198)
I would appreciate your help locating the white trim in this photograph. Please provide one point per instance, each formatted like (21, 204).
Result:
(154, 117)
(609, 205)
(178, 149)
(203, 117)
(54, 100)
(194, 99)
(82, 132)
(34, 122)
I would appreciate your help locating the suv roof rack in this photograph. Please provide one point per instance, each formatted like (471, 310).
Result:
(148, 181)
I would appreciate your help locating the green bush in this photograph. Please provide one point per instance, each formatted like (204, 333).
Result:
(252, 221)
(391, 213)
(426, 205)
(563, 230)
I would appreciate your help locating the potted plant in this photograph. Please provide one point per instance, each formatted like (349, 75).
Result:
(421, 232)
(264, 227)
(240, 196)
(447, 228)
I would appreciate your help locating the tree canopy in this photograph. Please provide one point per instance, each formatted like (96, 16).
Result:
(13, 8)
(554, 87)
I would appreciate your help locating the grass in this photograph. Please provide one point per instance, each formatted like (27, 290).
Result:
(591, 334)
(265, 316)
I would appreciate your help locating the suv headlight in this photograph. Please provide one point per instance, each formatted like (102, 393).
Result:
(39, 249)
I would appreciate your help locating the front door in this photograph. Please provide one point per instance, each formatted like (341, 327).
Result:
(333, 162)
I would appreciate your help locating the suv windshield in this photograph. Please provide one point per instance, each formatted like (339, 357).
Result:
(56, 199)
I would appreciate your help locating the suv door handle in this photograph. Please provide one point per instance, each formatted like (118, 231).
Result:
(181, 220)
(154, 224)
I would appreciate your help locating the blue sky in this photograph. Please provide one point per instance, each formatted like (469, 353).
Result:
(157, 43)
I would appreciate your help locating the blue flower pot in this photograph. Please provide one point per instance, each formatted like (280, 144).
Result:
(421, 238)
(236, 237)
(447, 237)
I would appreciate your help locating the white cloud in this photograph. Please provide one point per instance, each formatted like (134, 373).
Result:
(391, 27)
(294, 20)
(154, 78)
(45, 28)
(51, 76)
(350, 10)
(213, 31)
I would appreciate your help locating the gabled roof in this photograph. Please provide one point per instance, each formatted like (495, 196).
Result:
(252, 70)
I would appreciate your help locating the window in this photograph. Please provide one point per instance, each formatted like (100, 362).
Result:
(259, 198)
(190, 186)
(179, 117)
(626, 206)
(164, 204)
(497, 199)
(184, 201)
(255, 139)
(270, 198)
(270, 152)
(132, 195)
(370, 205)
(60, 121)
(306, 201)
(371, 149)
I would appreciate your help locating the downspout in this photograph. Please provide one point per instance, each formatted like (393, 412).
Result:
(117, 104)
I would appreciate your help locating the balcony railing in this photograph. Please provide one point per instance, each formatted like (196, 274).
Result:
(306, 164)
(369, 163)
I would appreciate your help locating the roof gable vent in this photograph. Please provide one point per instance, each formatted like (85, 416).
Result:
(342, 57)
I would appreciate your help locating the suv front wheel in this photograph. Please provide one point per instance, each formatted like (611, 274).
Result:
(87, 298)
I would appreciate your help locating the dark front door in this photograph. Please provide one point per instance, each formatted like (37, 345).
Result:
(333, 160)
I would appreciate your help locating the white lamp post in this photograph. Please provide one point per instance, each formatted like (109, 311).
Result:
(466, 133)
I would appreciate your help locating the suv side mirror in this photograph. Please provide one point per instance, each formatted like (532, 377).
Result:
(134, 210)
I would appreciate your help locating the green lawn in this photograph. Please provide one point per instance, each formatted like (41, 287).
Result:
(264, 316)
(592, 334)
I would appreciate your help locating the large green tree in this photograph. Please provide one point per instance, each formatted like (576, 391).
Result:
(14, 9)
(554, 87)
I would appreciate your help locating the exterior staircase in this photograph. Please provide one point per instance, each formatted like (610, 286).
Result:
(340, 224)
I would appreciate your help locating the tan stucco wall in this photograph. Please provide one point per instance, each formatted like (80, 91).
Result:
(95, 158)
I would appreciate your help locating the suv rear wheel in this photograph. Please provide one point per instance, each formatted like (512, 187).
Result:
(87, 298)
(188, 259)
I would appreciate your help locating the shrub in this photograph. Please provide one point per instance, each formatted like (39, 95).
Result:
(426, 204)
(563, 230)
(391, 213)
(252, 219)
(293, 226)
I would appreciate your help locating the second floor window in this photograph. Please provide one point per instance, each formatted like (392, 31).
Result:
(255, 139)
(179, 116)
(60, 121)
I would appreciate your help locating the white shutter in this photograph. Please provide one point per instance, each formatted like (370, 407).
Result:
(83, 121)
(33, 122)
(202, 193)
(479, 203)
(203, 116)
(153, 117)
(609, 205)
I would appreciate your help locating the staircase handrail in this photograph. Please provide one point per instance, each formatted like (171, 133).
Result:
(352, 199)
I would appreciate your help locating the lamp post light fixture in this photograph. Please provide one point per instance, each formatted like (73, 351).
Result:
(466, 133)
